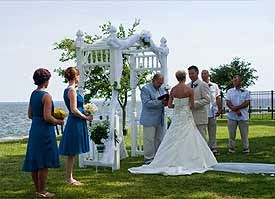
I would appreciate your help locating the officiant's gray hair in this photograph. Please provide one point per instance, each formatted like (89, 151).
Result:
(157, 76)
(181, 75)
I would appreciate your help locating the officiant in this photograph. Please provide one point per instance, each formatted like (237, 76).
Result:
(154, 98)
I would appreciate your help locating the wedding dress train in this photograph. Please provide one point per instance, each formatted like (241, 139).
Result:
(183, 150)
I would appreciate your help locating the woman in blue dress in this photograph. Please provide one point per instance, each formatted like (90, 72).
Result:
(42, 151)
(75, 139)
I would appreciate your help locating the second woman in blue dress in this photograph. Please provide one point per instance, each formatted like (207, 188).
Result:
(75, 139)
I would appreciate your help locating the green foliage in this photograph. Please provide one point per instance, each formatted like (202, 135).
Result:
(97, 84)
(223, 74)
(60, 72)
(67, 48)
(144, 78)
(99, 131)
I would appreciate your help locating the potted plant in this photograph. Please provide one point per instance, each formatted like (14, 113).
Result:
(100, 132)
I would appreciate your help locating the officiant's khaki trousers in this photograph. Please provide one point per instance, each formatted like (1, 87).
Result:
(152, 137)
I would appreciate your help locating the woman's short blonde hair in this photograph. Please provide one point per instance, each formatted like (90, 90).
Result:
(181, 75)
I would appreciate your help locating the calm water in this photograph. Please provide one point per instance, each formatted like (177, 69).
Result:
(14, 121)
(15, 124)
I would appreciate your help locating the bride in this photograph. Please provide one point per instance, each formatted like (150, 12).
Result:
(183, 150)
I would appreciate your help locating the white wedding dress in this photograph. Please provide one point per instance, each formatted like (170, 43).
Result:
(183, 150)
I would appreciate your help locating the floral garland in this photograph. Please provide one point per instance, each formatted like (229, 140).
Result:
(145, 39)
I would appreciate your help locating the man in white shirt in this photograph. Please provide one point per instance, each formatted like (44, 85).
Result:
(214, 109)
(238, 100)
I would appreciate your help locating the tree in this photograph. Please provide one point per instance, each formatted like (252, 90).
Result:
(97, 84)
(223, 74)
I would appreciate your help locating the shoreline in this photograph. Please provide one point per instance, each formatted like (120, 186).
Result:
(12, 139)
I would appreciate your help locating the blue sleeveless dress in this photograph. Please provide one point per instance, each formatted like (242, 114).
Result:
(75, 139)
(42, 151)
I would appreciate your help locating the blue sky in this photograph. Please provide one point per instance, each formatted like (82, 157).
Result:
(203, 33)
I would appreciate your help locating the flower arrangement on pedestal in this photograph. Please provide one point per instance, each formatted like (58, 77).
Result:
(99, 133)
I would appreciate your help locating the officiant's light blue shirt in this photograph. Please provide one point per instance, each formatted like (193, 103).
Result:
(237, 97)
(152, 113)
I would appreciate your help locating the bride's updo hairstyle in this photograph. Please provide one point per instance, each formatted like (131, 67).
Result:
(181, 75)
(40, 76)
(70, 73)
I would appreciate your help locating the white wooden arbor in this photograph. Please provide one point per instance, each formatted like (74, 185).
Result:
(107, 53)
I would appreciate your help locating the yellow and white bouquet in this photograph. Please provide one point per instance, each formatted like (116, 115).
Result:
(59, 114)
(90, 109)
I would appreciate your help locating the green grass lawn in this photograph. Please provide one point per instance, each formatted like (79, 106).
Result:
(121, 184)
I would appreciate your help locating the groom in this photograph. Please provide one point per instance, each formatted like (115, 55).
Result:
(152, 116)
(202, 99)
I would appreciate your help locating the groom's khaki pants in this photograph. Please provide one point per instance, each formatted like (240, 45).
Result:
(152, 137)
(202, 129)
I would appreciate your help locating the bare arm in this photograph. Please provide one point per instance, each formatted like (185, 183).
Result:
(47, 112)
(243, 105)
(230, 105)
(73, 106)
(236, 108)
(171, 98)
(30, 112)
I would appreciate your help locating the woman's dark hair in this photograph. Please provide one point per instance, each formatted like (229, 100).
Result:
(70, 73)
(40, 76)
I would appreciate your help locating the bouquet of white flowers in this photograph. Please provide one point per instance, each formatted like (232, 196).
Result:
(90, 109)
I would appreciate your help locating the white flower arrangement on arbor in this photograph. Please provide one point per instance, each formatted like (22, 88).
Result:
(145, 38)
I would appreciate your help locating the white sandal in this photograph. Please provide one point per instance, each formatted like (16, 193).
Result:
(45, 195)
